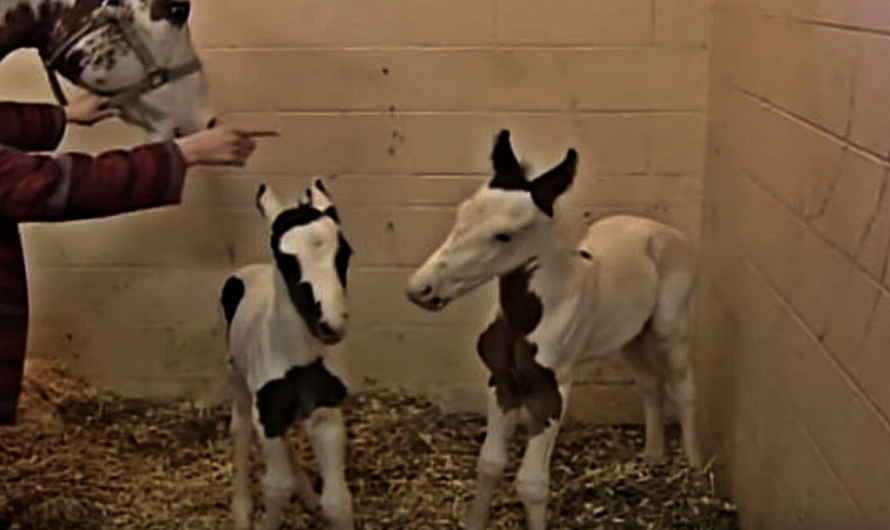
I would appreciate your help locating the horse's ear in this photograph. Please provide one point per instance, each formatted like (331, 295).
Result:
(508, 173)
(319, 197)
(549, 186)
(267, 203)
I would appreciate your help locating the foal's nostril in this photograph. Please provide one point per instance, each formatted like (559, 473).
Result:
(426, 290)
(212, 123)
(325, 329)
(435, 300)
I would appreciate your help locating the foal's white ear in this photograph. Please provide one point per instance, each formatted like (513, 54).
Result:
(267, 203)
(319, 197)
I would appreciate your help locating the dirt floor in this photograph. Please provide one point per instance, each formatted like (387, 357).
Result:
(83, 459)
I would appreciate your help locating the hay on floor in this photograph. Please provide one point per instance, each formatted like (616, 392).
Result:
(85, 459)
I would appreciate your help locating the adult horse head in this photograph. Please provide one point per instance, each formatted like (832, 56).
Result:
(139, 53)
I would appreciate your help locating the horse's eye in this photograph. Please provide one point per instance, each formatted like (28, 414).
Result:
(503, 238)
(178, 12)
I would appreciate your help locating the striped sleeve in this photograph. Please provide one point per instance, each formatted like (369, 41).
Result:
(13, 320)
(31, 127)
(78, 186)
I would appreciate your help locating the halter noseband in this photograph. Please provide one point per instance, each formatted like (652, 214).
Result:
(68, 33)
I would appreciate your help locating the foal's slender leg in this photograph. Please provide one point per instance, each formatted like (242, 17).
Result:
(327, 434)
(533, 477)
(682, 389)
(279, 481)
(650, 385)
(492, 461)
(304, 487)
(670, 325)
(241, 430)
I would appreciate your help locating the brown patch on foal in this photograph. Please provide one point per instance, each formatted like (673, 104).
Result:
(505, 349)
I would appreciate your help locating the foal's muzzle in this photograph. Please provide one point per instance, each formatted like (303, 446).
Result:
(329, 333)
(426, 297)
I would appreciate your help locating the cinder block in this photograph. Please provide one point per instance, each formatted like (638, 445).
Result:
(850, 203)
(245, 80)
(682, 22)
(329, 142)
(856, 13)
(451, 22)
(796, 163)
(579, 22)
(613, 143)
(169, 237)
(872, 362)
(548, 79)
(677, 143)
(870, 124)
(377, 300)
(798, 59)
(821, 274)
(433, 356)
(269, 23)
(850, 316)
(873, 252)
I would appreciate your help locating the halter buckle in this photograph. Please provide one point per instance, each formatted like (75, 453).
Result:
(157, 78)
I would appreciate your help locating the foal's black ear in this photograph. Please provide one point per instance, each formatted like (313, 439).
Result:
(549, 186)
(508, 173)
(267, 203)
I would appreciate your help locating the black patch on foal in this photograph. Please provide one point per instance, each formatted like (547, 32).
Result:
(232, 293)
(295, 396)
(510, 357)
(331, 212)
(341, 260)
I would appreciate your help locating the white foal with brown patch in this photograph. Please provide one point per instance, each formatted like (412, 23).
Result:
(281, 318)
(137, 52)
(627, 285)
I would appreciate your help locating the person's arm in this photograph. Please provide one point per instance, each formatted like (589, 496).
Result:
(31, 127)
(80, 186)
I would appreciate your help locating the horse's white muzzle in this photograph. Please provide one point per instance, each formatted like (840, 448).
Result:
(423, 292)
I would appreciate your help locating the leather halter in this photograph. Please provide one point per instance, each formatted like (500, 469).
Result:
(67, 33)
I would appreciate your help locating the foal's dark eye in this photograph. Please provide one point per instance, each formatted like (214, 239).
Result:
(178, 12)
(503, 238)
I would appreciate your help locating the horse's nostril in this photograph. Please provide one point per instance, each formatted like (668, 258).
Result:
(212, 123)
(427, 290)
(436, 300)
(325, 329)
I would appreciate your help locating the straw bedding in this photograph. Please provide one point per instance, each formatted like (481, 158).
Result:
(85, 459)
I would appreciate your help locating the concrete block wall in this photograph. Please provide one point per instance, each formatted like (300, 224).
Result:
(795, 306)
(401, 99)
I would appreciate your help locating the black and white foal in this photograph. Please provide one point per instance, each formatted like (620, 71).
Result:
(627, 284)
(281, 317)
